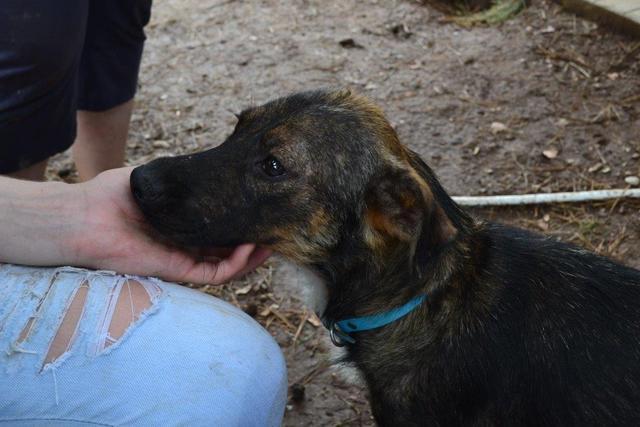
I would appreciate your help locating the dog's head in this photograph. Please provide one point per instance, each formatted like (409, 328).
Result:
(302, 175)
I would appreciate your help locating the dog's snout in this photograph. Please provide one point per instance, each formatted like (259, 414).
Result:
(144, 188)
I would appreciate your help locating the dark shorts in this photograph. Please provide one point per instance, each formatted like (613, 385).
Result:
(57, 57)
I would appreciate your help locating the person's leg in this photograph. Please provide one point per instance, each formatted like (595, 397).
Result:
(101, 139)
(107, 82)
(84, 347)
(40, 45)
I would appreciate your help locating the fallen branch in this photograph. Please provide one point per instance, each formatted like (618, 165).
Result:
(537, 199)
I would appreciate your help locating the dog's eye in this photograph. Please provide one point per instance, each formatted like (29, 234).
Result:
(272, 166)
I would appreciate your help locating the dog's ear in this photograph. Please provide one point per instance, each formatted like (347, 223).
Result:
(401, 206)
(395, 205)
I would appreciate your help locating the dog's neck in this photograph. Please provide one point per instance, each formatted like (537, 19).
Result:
(366, 284)
(363, 288)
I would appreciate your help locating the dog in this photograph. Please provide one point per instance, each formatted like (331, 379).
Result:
(457, 321)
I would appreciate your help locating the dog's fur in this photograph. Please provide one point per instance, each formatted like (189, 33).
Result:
(517, 329)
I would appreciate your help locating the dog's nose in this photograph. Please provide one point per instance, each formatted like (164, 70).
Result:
(143, 187)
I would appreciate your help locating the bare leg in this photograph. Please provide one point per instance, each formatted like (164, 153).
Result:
(32, 173)
(101, 140)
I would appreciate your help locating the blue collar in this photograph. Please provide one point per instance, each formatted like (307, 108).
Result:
(340, 330)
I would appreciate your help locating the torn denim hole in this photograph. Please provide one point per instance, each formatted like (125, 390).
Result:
(25, 332)
(68, 328)
(129, 302)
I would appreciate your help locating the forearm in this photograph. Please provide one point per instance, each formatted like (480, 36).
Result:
(37, 220)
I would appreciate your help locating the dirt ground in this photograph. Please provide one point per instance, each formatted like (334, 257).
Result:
(544, 102)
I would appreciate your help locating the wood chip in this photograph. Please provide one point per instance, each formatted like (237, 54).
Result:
(161, 144)
(314, 320)
(244, 290)
(595, 168)
(265, 312)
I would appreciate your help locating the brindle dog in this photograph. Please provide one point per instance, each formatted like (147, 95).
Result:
(517, 328)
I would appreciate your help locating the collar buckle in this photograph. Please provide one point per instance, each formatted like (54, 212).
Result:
(338, 337)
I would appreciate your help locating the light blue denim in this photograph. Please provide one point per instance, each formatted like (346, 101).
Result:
(189, 359)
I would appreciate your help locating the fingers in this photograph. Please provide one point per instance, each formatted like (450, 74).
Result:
(258, 256)
(209, 269)
(216, 273)
(243, 259)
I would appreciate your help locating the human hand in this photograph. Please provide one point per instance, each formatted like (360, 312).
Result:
(97, 225)
(117, 237)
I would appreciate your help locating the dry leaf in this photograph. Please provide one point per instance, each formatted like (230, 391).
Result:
(544, 226)
(550, 153)
(632, 180)
(497, 127)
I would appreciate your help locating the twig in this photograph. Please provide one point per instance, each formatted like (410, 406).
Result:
(614, 245)
(300, 326)
(282, 318)
(552, 54)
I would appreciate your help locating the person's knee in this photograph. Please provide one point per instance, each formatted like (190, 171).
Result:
(215, 327)
(44, 45)
(235, 372)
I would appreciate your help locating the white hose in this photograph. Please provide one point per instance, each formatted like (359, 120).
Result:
(536, 199)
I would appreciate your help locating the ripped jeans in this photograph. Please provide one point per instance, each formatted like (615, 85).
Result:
(80, 347)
